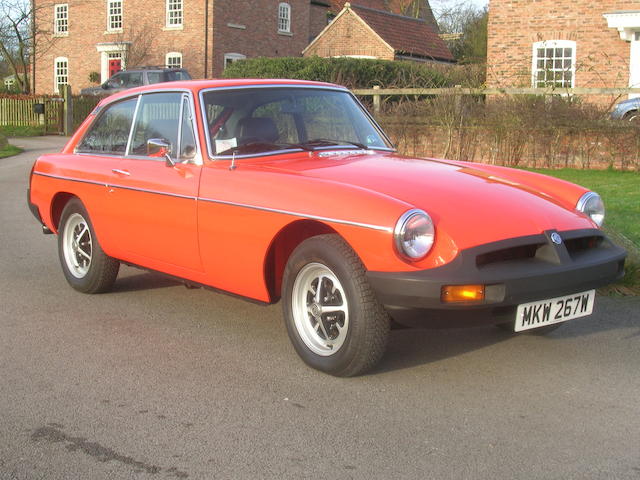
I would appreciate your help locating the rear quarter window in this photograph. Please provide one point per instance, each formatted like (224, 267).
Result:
(109, 133)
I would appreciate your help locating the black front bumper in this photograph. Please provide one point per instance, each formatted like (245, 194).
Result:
(514, 271)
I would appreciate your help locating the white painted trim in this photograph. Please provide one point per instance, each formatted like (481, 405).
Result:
(56, 31)
(553, 44)
(181, 9)
(116, 30)
(55, 73)
(104, 49)
(288, 17)
(173, 55)
(627, 23)
(234, 57)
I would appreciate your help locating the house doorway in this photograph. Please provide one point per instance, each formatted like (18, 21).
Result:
(115, 65)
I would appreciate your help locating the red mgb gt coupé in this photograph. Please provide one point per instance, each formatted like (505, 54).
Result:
(274, 189)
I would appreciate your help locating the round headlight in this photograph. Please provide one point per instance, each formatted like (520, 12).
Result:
(591, 205)
(414, 234)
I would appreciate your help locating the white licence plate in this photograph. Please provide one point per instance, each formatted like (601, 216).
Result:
(554, 310)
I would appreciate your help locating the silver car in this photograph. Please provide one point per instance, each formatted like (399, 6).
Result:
(627, 110)
(137, 78)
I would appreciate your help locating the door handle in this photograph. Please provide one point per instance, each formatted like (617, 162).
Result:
(120, 172)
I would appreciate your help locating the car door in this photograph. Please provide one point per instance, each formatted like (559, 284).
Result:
(156, 195)
(94, 168)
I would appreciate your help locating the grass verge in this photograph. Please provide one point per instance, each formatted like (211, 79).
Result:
(621, 194)
(18, 131)
(9, 151)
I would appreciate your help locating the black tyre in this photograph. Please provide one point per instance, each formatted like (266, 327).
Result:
(333, 318)
(85, 266)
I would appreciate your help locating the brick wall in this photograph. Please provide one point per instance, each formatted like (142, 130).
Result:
(250, 28)
(602, 58)
(144, 21)
(348, 35)
(254, 32)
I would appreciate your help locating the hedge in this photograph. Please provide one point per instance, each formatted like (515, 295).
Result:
(350, 72)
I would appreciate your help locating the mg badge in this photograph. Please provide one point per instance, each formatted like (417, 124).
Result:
(555, 238)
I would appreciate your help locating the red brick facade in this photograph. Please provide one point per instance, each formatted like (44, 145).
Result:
(602, 58)
(246, 27)
(212, 32)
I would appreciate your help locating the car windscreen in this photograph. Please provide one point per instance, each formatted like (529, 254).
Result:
(260, 120)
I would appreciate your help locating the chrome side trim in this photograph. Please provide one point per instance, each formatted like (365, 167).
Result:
(379, 228)
(298, 214)
(115, 185)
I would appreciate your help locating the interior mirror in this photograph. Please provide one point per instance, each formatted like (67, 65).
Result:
(159, 147)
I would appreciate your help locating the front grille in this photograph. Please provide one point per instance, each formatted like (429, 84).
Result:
(520, 252)
(575, 246)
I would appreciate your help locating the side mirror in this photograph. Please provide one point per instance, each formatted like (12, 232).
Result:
(159, 147)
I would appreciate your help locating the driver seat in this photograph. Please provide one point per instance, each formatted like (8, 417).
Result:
(256, 129)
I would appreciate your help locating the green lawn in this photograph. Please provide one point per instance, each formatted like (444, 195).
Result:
(9, 151)
(621, 194)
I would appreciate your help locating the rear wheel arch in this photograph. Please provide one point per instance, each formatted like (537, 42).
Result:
(58, 203)
(281, 248)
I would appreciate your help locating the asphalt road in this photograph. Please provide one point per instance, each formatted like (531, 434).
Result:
(155, 381)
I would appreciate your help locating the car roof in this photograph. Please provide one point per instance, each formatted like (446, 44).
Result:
(197, 85)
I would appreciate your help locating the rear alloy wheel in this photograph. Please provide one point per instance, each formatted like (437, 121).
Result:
(85, 266)
(332, 316)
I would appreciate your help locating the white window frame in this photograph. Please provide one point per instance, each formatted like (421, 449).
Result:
(551, 64)
(232, 57)
(284, 17)
(115, 21)
(174, 13)
(60, 72)
(61, 19)
(173, 56)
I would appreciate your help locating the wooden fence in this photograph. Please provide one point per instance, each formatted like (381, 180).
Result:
(62, 115)
(20, 111)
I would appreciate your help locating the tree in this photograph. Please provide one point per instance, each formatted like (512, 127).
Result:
(465, 29)
(20, 41)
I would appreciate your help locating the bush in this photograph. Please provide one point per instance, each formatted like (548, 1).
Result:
(350, 72)
(3, 141)
(533, 131)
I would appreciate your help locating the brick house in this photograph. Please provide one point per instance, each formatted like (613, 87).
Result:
(364, 32)
(105, 36)
(578, 43)
(95, 38)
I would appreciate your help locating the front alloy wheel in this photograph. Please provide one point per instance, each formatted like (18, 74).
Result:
(333, 318)
(320, 309)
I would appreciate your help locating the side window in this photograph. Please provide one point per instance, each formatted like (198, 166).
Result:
(158, 118)
(153, 77)
(110, 132)
(132, 79)
(116, 81)
(187, 138)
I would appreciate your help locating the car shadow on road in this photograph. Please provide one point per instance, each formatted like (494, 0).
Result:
(137, 282)
(414, 347)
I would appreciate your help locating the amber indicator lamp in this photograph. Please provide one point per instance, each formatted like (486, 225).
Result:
(462, 293)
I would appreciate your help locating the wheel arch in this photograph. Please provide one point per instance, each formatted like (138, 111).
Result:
(58, 202)
(283, 244)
